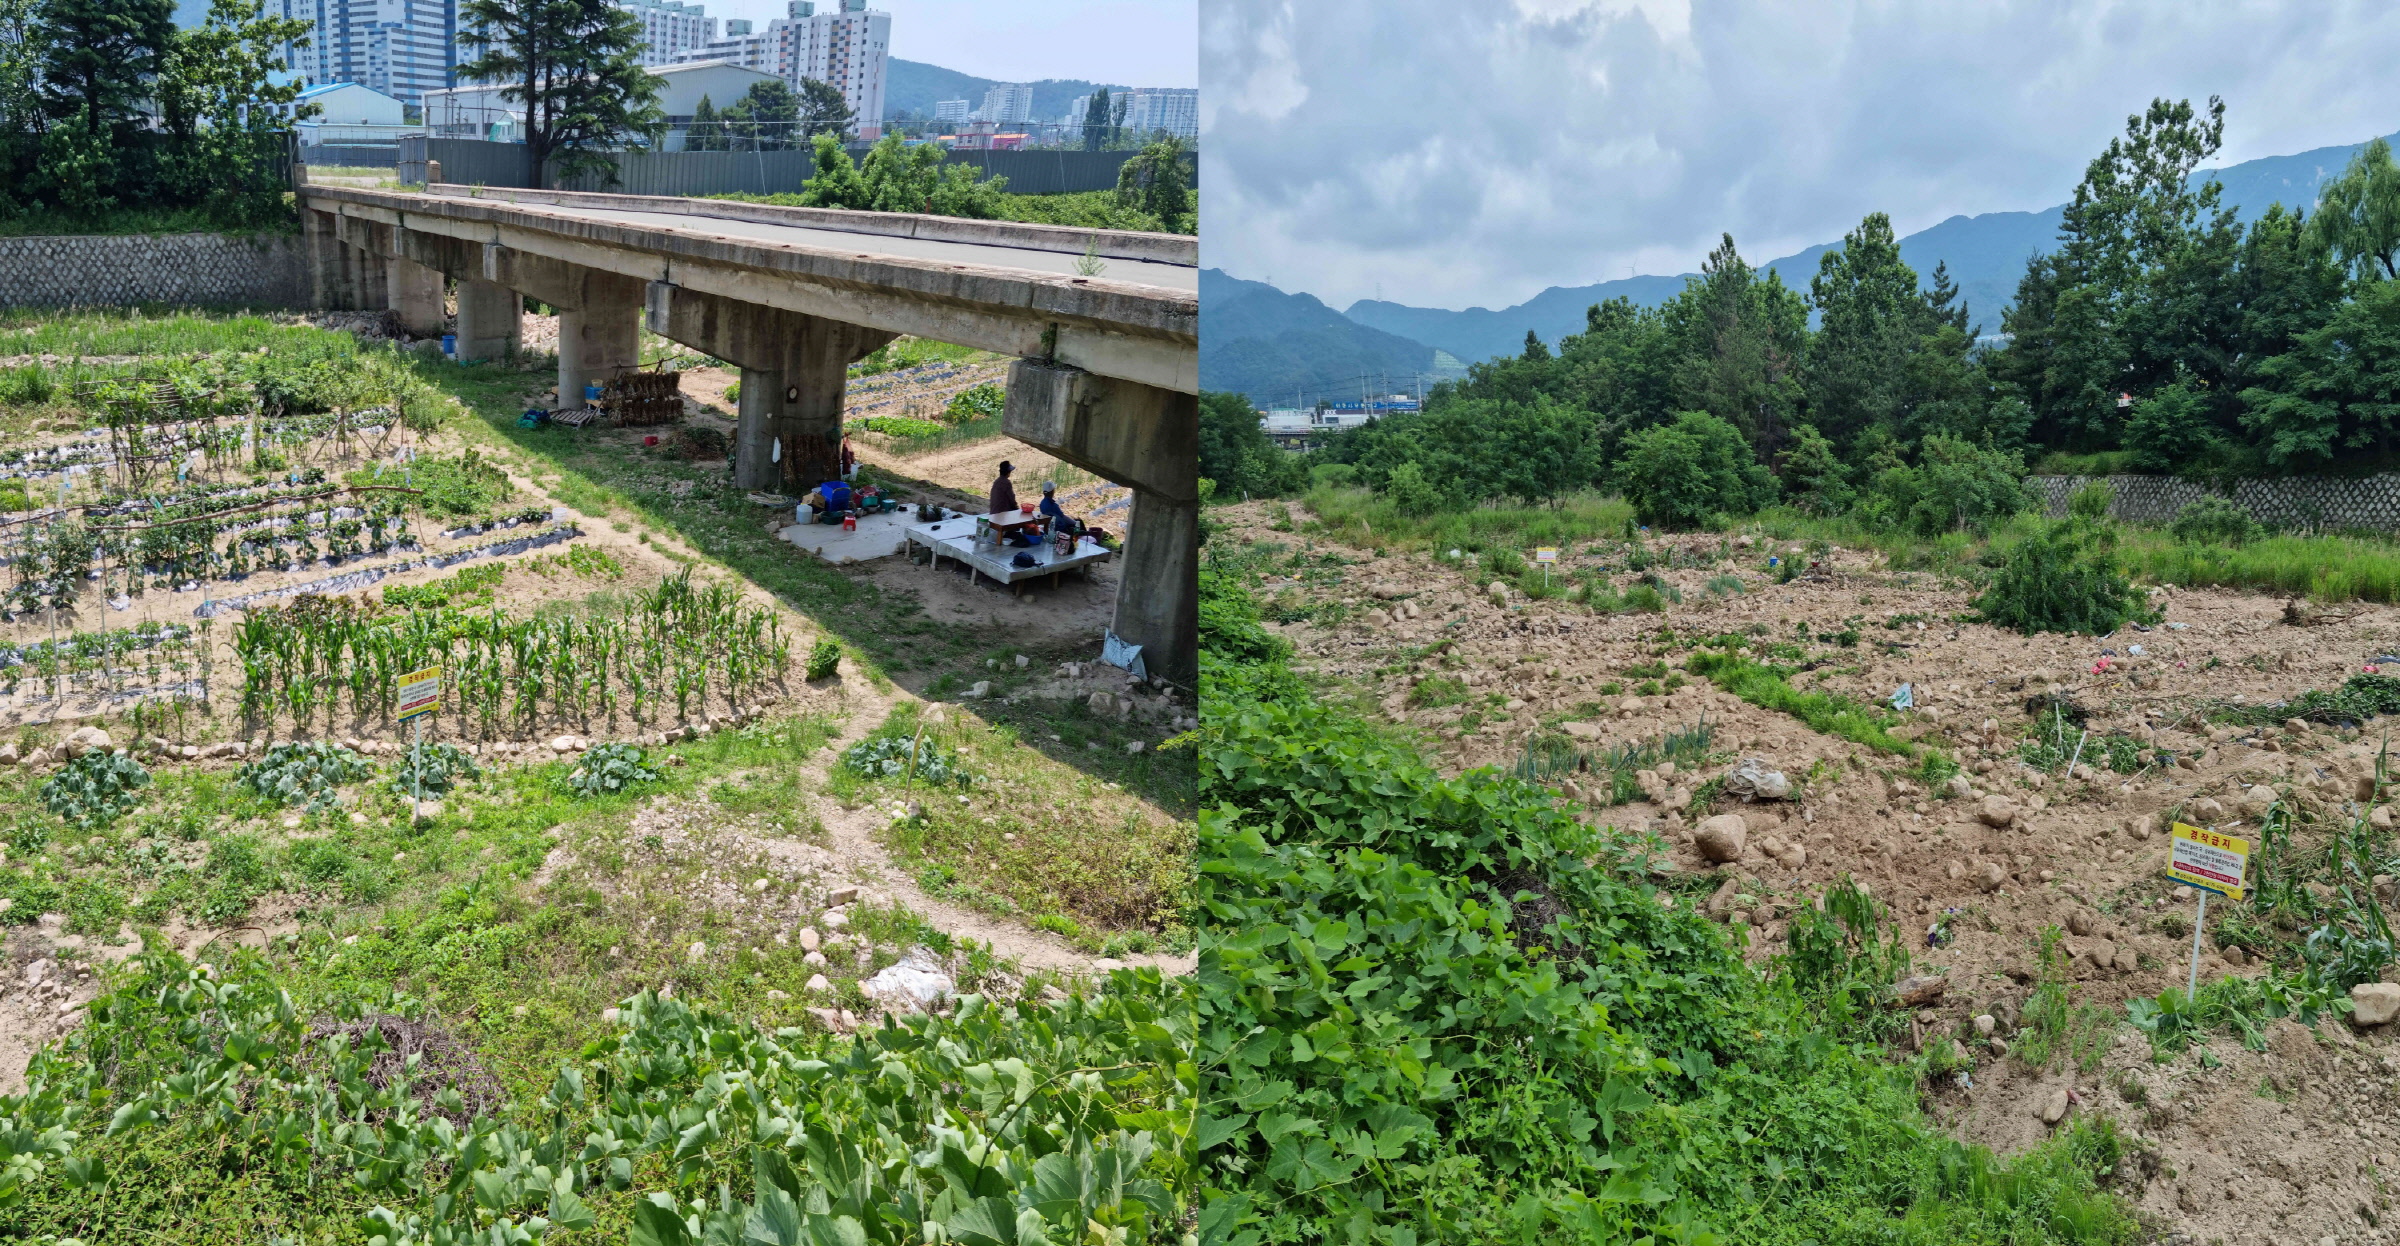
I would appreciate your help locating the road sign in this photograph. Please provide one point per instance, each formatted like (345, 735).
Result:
(420, 691)
(1546, 553)
(2207, 860)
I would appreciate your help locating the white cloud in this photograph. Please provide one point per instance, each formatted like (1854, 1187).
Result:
(1460, 153)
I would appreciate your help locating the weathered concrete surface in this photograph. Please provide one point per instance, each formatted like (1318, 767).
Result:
(599, 314)
(491, 320)
(416, 296)
(795, 369)
(103, 270)
(1148, 439)
(1108, 324)
(1136, 435)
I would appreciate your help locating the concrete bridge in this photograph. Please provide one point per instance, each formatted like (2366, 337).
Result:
(1107, 376)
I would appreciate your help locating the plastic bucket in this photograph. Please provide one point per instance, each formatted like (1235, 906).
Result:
(450, 344)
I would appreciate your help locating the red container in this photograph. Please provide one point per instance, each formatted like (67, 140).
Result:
(650, 441)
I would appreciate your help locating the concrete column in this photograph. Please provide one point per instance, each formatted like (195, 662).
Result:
(490, 320)
(375, 288)
(1158, 586)
(1147, 439)
(754, 459)
(794, 371)
(595, 344)
(323, 253)
(416, 296)
(816, 377)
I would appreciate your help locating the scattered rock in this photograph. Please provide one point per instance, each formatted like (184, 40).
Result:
(1997, 811)
(816, 984)
(1985, 1023)
(565, 744)
(1989, 876)
(840, 896)
(1918, 990)
(810, 940)
(86, 739)
(2053, 1107)
(1721, 838)
(697, 952)
(2374, 1003)
(1753, 779)
(914, 985)
(610, 1016)
(775, 994)
(2080, 922)
(427, 810)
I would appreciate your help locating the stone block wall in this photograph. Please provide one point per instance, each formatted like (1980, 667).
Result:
(99, 270)
(2291, 502)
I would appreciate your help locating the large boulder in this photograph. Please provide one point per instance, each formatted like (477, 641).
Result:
(2374, 1003)
(1721, 838)
(914, 985)
(1997, 810)
(86, 740)
(1921, 990)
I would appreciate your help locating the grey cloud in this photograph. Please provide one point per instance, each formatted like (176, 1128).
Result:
(1467, 153)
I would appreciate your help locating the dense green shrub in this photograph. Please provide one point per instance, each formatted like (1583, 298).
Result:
(824, 658)
(1955, 485)
(303, 773)
(95, 789)
(429, 771)
(610, 768)
(2065, 577)
(1682, 474)
(2215, 520)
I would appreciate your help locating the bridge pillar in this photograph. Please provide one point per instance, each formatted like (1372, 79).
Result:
(490, 320)
(416, 295)
(816, 377)
(795, 369)
(596, 343)
(1147, 439)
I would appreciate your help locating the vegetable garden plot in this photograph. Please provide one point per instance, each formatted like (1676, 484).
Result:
(680, 644)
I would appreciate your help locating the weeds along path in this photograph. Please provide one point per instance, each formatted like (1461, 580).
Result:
(2024, 798)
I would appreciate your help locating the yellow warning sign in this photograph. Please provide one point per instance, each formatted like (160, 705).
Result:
(420, 691)
(2208, 860)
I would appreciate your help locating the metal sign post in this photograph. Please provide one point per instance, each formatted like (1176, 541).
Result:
(420, 692)
(1545, 555)
(2211, 864)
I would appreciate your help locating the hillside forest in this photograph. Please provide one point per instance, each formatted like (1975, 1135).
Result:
(2162, 334)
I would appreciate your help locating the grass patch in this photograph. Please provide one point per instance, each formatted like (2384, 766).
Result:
(1362, 517)
(2326, 568)
(1037, 839)
(157, 330)
(1827, 713)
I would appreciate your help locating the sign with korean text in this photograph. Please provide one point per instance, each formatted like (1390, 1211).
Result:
(1546, 553)
(2208, 860)
(420, 691)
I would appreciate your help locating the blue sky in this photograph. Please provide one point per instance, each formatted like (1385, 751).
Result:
(1151, 43)
(1476, 153)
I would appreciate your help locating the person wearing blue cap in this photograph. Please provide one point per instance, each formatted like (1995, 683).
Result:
(1059, 519)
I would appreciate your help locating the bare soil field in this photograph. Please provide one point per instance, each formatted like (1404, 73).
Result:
(2293, 1143)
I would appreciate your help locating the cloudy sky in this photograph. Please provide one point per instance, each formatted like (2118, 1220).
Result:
(1138, 42)
(1473, 153)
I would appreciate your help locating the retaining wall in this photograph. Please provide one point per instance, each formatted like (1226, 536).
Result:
(2301, 502)
(185, 269)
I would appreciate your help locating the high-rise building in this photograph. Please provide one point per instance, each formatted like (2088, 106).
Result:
(402, 48)
(1175, 110)
(950, 112)
(671, 29)
(848, 46)
(1009, 103)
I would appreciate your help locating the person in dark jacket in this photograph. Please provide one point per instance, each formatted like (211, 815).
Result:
(1004, 494)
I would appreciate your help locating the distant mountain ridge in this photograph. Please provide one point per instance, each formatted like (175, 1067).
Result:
(1282, 349)
(1986, 255)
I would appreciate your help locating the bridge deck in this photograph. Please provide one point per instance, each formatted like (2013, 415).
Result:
(1140, 272)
